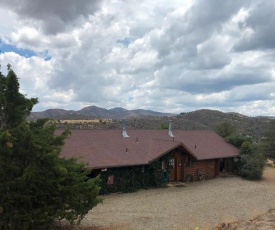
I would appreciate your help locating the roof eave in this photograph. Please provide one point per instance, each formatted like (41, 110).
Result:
(167, 151)
(214, 158)
(116, 166)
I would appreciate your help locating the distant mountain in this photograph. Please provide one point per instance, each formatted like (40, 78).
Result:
(92, 112)
(51, 113)
(204, 119)
(118, 110)
(95, 111)
(209, 119)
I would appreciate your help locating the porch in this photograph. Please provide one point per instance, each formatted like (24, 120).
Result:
(183, 167)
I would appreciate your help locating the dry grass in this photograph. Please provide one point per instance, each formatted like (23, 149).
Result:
(84, 121)
(270, 162)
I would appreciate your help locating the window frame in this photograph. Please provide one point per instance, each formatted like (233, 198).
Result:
(189, 161)
(172, 163)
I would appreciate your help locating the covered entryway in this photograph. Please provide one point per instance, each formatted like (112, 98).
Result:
(226, 165)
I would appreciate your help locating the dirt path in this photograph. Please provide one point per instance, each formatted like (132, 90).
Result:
(264, 221)
(269, 176)
(200, 204)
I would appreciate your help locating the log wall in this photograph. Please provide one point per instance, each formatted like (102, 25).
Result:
(209, 166)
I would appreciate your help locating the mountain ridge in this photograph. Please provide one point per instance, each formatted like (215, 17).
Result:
(203, 119)
(93, 112)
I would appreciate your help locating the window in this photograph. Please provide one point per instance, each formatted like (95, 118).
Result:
(189, 161)
(172, 163)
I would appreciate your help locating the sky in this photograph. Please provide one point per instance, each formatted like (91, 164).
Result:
(168, 56)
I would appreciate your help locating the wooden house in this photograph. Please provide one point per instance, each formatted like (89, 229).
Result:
(142, 158)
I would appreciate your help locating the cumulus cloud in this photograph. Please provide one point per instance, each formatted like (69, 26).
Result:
(259, 22)
(54, 16)
(212, 55)
(165, 56)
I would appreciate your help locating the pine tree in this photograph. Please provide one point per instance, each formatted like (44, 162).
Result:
(16, 106)
(37, 186)
(2, 98)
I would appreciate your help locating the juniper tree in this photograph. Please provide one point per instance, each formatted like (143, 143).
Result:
(37, 185)
(15, 106)
(2, 98)
(225, 129)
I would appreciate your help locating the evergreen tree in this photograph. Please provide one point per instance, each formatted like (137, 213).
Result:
(16, 107)
(237, 139)
(2, 98)
(225, 129)
(36, 185)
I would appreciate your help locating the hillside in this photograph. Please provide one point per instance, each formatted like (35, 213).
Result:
(207, 120)
(197, 120)
(92, 112)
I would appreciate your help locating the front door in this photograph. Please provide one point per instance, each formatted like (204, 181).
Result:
(172, 168)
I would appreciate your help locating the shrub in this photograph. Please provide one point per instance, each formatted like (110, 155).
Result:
(251, 163)
(251, 168)
(237, 139)
(225, 129)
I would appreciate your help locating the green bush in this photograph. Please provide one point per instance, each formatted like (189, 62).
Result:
(164, 126)
(130, 179)
(237, 139)
(251, 167)
(225, 129)
(251, 163)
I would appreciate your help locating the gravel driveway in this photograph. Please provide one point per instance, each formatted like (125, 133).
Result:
(202, 204)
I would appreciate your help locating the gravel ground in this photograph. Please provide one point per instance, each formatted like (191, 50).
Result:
(201, 204)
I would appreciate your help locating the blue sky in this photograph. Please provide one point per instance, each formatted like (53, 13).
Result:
(26, 53)
(174, 56)
(12, 48)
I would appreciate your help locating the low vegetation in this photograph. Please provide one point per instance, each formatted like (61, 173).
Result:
(84, 121)
(131, 179)
(252, 161)
(225, 129)
(196, 120)
(269, 140)
(252, 158)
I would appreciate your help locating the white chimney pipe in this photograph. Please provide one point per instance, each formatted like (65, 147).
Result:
(124, 133)
(170, 129)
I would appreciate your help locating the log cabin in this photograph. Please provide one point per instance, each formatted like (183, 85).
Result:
(131, 159)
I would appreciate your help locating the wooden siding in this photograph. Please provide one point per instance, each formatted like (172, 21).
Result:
(217, 170)
(209, 166)
(178, 166)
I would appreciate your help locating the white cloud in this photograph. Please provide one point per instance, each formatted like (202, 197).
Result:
(167, 56)
(28, 37)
